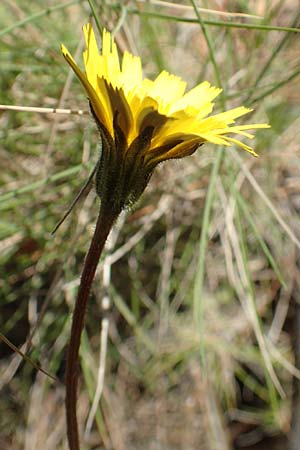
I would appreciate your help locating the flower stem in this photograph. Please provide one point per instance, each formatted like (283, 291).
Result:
(104, 224)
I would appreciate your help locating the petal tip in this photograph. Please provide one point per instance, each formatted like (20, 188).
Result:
(63, 49)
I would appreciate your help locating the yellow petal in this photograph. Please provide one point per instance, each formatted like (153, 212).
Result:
(99, 108)
(166, 89)
(110, 59)
(131, 76)
(120, 105)
(214, 138)
(91, 56)
(172, 129)
(199, 98)
(242, 145)
(229, 116)
(180, 150)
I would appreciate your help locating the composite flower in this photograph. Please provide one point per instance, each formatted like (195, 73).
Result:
(143, 122)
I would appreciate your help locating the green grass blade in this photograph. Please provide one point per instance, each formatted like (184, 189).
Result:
(36, 16)
(272, 262)
(68, 173)
(216, 23)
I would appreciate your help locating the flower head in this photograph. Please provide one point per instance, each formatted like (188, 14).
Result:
(144, 122)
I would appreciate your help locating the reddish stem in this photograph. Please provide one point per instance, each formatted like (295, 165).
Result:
(104, 224)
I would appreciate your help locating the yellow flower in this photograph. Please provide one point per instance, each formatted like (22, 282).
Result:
(143, 122)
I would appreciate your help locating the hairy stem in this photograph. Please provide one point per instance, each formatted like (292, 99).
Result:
(104, 224)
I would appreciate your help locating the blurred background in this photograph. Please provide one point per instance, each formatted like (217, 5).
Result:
(204, 271)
